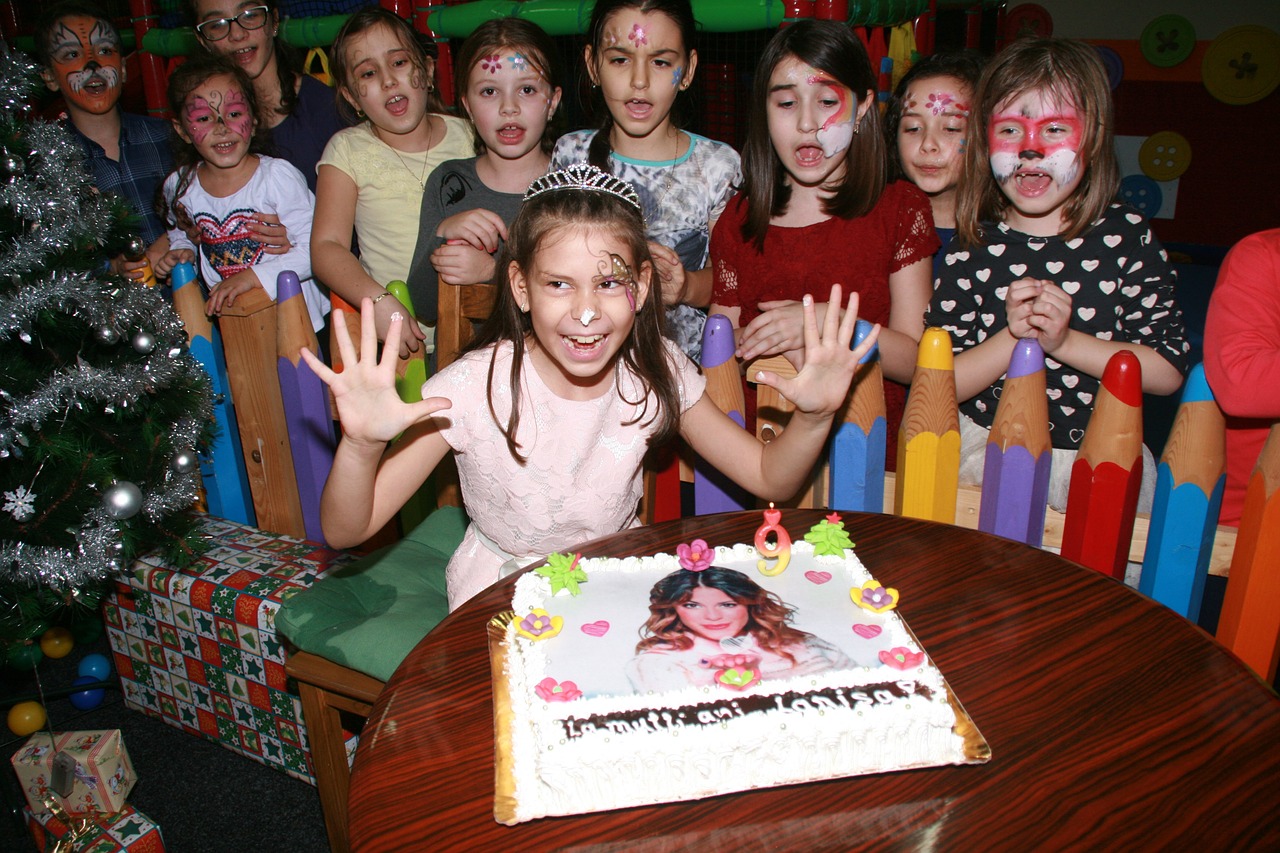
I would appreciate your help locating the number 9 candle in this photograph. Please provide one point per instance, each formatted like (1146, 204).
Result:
(780, 549)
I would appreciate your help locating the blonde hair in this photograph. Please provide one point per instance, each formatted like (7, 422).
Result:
(1072, 73)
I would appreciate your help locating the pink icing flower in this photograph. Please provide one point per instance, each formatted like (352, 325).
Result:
(550, 690)
(538, 625)
(491, 63)
(695, 556)
(900, 657)
(638, 36)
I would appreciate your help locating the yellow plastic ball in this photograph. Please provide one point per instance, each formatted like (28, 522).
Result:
(57, 643)
(26, 718)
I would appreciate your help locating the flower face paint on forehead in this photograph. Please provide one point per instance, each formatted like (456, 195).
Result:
(638, 36)
(836, 132)
(944, 103)
(202, 113)
(85, 54)
(1034, 135)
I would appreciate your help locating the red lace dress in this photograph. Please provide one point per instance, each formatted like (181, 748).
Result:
(858, 254)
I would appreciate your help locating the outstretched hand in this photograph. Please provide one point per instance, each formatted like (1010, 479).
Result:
(822, 384)
(365, 391)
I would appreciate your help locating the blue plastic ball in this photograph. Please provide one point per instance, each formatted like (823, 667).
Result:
(87, 700)
(96, 665)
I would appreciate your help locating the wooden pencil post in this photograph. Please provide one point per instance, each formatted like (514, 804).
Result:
(1190, 479)
(712, 490)
(1106, 477)
(249, 330)
(858, 445)
(929, 438)
(1015, 475)
(1249, 624)
(226, 482)
(305, 398)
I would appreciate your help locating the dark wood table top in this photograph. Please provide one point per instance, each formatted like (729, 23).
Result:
(1113, 722)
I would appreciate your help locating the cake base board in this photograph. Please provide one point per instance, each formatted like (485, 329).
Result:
(505, 803)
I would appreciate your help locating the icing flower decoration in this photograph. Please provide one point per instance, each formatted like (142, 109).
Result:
(738, 679)
(695, 556)
(829, 537)
(550, 690)
(539, 625)
(491, 63)
(874, 597)
(563, 572)
(900, 657)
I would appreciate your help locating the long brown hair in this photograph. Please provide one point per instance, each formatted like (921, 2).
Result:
(831, 48)
(362, 22)
(1072, 73)
(643, 353)
(767, 621)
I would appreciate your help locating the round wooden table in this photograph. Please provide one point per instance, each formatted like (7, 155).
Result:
(1113, 722)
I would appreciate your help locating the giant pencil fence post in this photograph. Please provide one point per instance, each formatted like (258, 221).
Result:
(306, 400)
(712, 490)
(410, 375)
(1102, 499)
(1015, 474)
(1190, 479)
(856, 459)
(226, 483)
(929, 438)
(1249, 624)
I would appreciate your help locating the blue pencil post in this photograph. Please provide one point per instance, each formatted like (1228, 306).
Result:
(306, 401)
(713, 491)
(1190, 478)
(226, 482)
(858, 446)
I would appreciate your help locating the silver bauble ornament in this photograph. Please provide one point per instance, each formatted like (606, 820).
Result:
(106, 335)
(122, 500)
(144, 342)
(184, 461)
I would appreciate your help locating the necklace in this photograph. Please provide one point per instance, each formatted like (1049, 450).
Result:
(669, 177)
(420, 178)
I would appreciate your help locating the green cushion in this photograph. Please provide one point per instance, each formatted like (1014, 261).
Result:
(369, 615)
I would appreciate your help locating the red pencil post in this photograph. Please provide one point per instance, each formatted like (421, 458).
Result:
(1249, 624)
(1102, 500)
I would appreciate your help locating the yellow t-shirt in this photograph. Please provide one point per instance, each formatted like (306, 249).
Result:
(389, 196)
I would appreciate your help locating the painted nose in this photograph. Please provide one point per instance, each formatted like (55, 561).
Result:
(586, 307)
(1030, 154)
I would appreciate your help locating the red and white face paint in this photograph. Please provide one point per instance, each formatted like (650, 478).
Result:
(1035, 143)
(216, 119)
(85, 55)
(836, 133)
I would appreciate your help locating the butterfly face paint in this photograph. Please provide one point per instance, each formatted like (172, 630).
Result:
(621, 272)
(217, 120)
(85, 57)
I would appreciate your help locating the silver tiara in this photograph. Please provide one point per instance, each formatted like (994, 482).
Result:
(584, 176)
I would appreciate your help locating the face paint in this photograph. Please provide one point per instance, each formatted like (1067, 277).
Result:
(1046, 143)
(85, 55)
(676, 76)
(587, 316)
(638, 36)
(491, 64)
(622, 272)
(836, 133)
(939, 102)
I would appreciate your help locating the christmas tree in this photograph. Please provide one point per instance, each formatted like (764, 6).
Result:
(102, 409)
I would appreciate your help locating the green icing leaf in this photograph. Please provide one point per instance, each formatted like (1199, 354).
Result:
(563, 572)
(828, 537)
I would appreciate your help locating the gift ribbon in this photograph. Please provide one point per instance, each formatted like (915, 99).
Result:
(78, 828)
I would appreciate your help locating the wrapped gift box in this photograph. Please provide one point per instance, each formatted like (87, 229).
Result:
(127, 829)
(103, 774)
(198, 647)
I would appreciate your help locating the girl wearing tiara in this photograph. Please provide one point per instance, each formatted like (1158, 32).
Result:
(552, 408)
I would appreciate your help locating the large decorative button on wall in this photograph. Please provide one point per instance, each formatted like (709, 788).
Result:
(1168, 40)
(1242, 65)
(1142, 193)
(1028, 20)
(1164, 156)
(1113, 63)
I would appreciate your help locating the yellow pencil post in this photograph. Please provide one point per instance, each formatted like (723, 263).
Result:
(929, 438)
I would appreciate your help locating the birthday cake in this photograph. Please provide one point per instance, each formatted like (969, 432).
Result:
(626, 682)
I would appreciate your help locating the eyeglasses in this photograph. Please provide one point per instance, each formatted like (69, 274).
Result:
(253, 18)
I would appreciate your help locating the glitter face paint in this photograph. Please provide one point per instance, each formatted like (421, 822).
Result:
(622, 272)
(85, 55)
